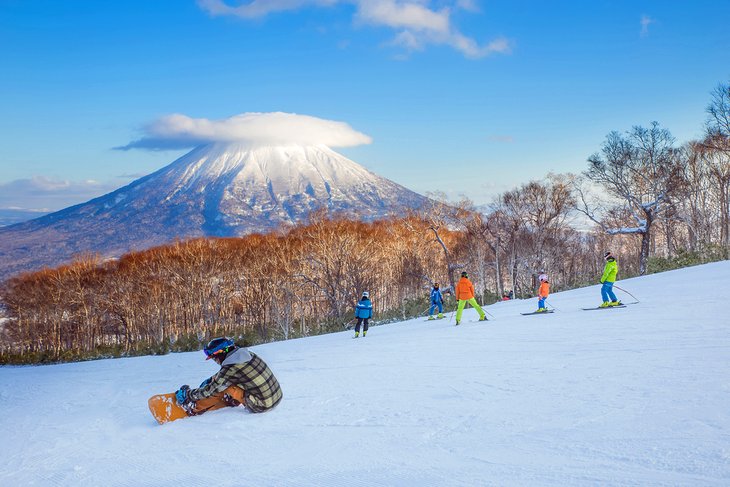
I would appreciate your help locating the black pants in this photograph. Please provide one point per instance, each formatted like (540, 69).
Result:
(361, 321)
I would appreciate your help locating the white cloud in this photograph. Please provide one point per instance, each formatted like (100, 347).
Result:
(259, 8)
(409, 41)
(48, 194)
(416, 22)
(409, 15)
(180, 131)
(468, 5)
(645, 22)
(471, 49)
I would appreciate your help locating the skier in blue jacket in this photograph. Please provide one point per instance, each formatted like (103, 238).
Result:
(363, 312)
(437, 299)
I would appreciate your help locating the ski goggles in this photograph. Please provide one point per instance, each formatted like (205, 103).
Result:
(210, 355)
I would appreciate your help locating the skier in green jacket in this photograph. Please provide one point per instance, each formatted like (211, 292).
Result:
(607, 279)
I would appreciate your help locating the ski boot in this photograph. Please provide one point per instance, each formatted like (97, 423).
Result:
(430, 317)
(357, 334)
(483, 318)
(541, 310)
(364, 333)
(604, 304)
(615, 303)
(439, 316)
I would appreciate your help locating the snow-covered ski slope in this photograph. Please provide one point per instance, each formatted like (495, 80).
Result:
(632, 396)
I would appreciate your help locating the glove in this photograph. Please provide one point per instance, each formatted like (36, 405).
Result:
(182, 395)
(231, 401)
(601, 282)
(205, 383)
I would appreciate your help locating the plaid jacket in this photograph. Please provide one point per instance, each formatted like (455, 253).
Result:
(262, 391)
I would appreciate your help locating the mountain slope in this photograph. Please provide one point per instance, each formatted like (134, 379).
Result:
(631, 396)
(214, 190)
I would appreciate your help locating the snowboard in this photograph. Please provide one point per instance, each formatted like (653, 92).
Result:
(540, 313)
(164, 408)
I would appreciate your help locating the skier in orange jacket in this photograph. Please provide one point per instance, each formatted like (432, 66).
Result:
(465, 294)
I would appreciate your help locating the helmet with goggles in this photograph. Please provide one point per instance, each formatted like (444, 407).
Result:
(219, 347)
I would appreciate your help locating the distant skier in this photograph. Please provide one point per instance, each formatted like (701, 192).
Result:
(243, 379)
(542, 293)
(437, 300)
(607, 279)
(465, 294)
(363, 312)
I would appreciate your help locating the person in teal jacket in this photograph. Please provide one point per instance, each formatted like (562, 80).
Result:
(607, 279)
(363, 312)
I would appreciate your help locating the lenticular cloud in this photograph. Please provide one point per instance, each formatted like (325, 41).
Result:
(257, 129)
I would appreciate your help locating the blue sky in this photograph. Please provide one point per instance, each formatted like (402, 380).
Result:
(462, 96)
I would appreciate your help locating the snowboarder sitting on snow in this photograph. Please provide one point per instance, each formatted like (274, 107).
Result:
(607, 279)
(363, 312)
(542, 293)
(243, 379)
(437, 299)
(465, 294)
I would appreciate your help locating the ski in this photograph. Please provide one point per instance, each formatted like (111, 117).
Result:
(538, 312)
(473, 321)
(622, 305)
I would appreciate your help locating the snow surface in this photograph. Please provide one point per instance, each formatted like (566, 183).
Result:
(631, 396)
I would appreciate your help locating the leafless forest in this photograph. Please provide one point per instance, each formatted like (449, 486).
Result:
(654, 203)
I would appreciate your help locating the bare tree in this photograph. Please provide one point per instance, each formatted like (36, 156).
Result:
(718, 111)
(641, 170)
(537, 213)
(440, 215)
(716, 153)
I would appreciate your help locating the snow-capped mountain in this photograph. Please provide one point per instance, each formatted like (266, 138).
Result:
(214, 190)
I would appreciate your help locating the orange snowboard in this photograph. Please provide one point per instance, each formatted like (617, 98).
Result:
(165, 408)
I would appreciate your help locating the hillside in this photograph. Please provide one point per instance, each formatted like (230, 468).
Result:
(632, 396)
(215, 190)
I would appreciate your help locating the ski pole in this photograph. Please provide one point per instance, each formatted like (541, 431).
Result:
(550, 304)
(624, 290)
(345, 326)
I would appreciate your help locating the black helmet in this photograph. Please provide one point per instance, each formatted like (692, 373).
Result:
(463, 274)
(436, 285)
(219, 347)
(607, 255)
